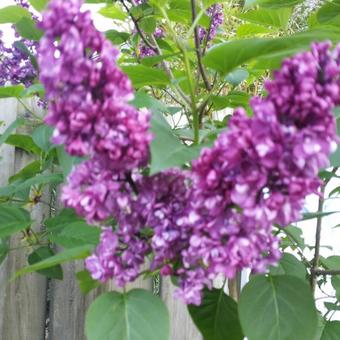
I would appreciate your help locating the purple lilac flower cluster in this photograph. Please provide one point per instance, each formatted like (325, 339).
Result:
(260, 170)
(215, 219)
(16, 66)
(88, 93)
(89, 109)
(146, 51)
(215, 12)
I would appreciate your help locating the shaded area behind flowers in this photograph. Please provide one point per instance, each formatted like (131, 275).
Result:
(196, 224)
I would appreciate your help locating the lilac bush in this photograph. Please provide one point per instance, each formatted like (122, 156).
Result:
(192, 166)
(216, 218)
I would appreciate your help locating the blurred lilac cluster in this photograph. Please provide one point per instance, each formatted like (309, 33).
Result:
(146, 51)
(215, 12)
(16, 66)
(215, 219)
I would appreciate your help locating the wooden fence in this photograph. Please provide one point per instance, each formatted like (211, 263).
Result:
(36, 308)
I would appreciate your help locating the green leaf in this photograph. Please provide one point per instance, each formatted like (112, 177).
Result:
(39, 5)
(11, 91)
(331, 331)
(66, 161)
(268, 17)
(141, 75)
(329, 13)
(13, 14)
(65, 217)
(233, 100)
(237, 76)
(75, 234)
(85, 281)
(273, 3)
(136, 315)
(13, 219)
(295, 234)
(10, 129)
(24, 142)
(143, 100)
(117, 37)
(246, 50)
(289, 265)
(4, 248)
(252, 30)
(27, 29)
(217, 317)
(309, 216)
(35, 89)
(335, 280)
(332, 306)
(41, 254)
(277, 308)
(331, 262)
(113, 12)
(68, 255)
(42, 136)
(27, 172)
(41, 179)
(167, 151)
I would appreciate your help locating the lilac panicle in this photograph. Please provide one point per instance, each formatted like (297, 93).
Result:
(88, 93)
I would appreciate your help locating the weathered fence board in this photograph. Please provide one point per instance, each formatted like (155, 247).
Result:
(182, 327)
(34, 308)
(23, 302)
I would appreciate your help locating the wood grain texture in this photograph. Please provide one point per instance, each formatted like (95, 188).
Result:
(23, 302)
(181, 325)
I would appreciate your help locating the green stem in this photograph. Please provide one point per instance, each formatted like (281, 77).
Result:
(192, 87)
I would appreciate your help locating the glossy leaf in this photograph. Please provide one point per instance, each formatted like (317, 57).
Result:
(41, 254)
(135, 315)
(167, 151)
(66, 161)
(42, 136)
(29, 171)
(4, 248)
(217, 317)
(40, 179)
(11, 91)
(75, 234)
(329, 13)
(289, 265)
(24, 142)
(245, 50)
(13, 14)
(268, 17)
(27, 29)
(113, 12)
(331, 331)
(13, 219)
(39, 5)
(67, 255)
(10, 129)
(141, 75)
(86, 282)
(277, 308)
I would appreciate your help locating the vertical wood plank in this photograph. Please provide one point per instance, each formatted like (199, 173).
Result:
(181, 325)
(23, 302)
(68, 305)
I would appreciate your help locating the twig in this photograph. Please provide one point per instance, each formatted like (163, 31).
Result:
(316, 259)
(140, 32)
(198, 48)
